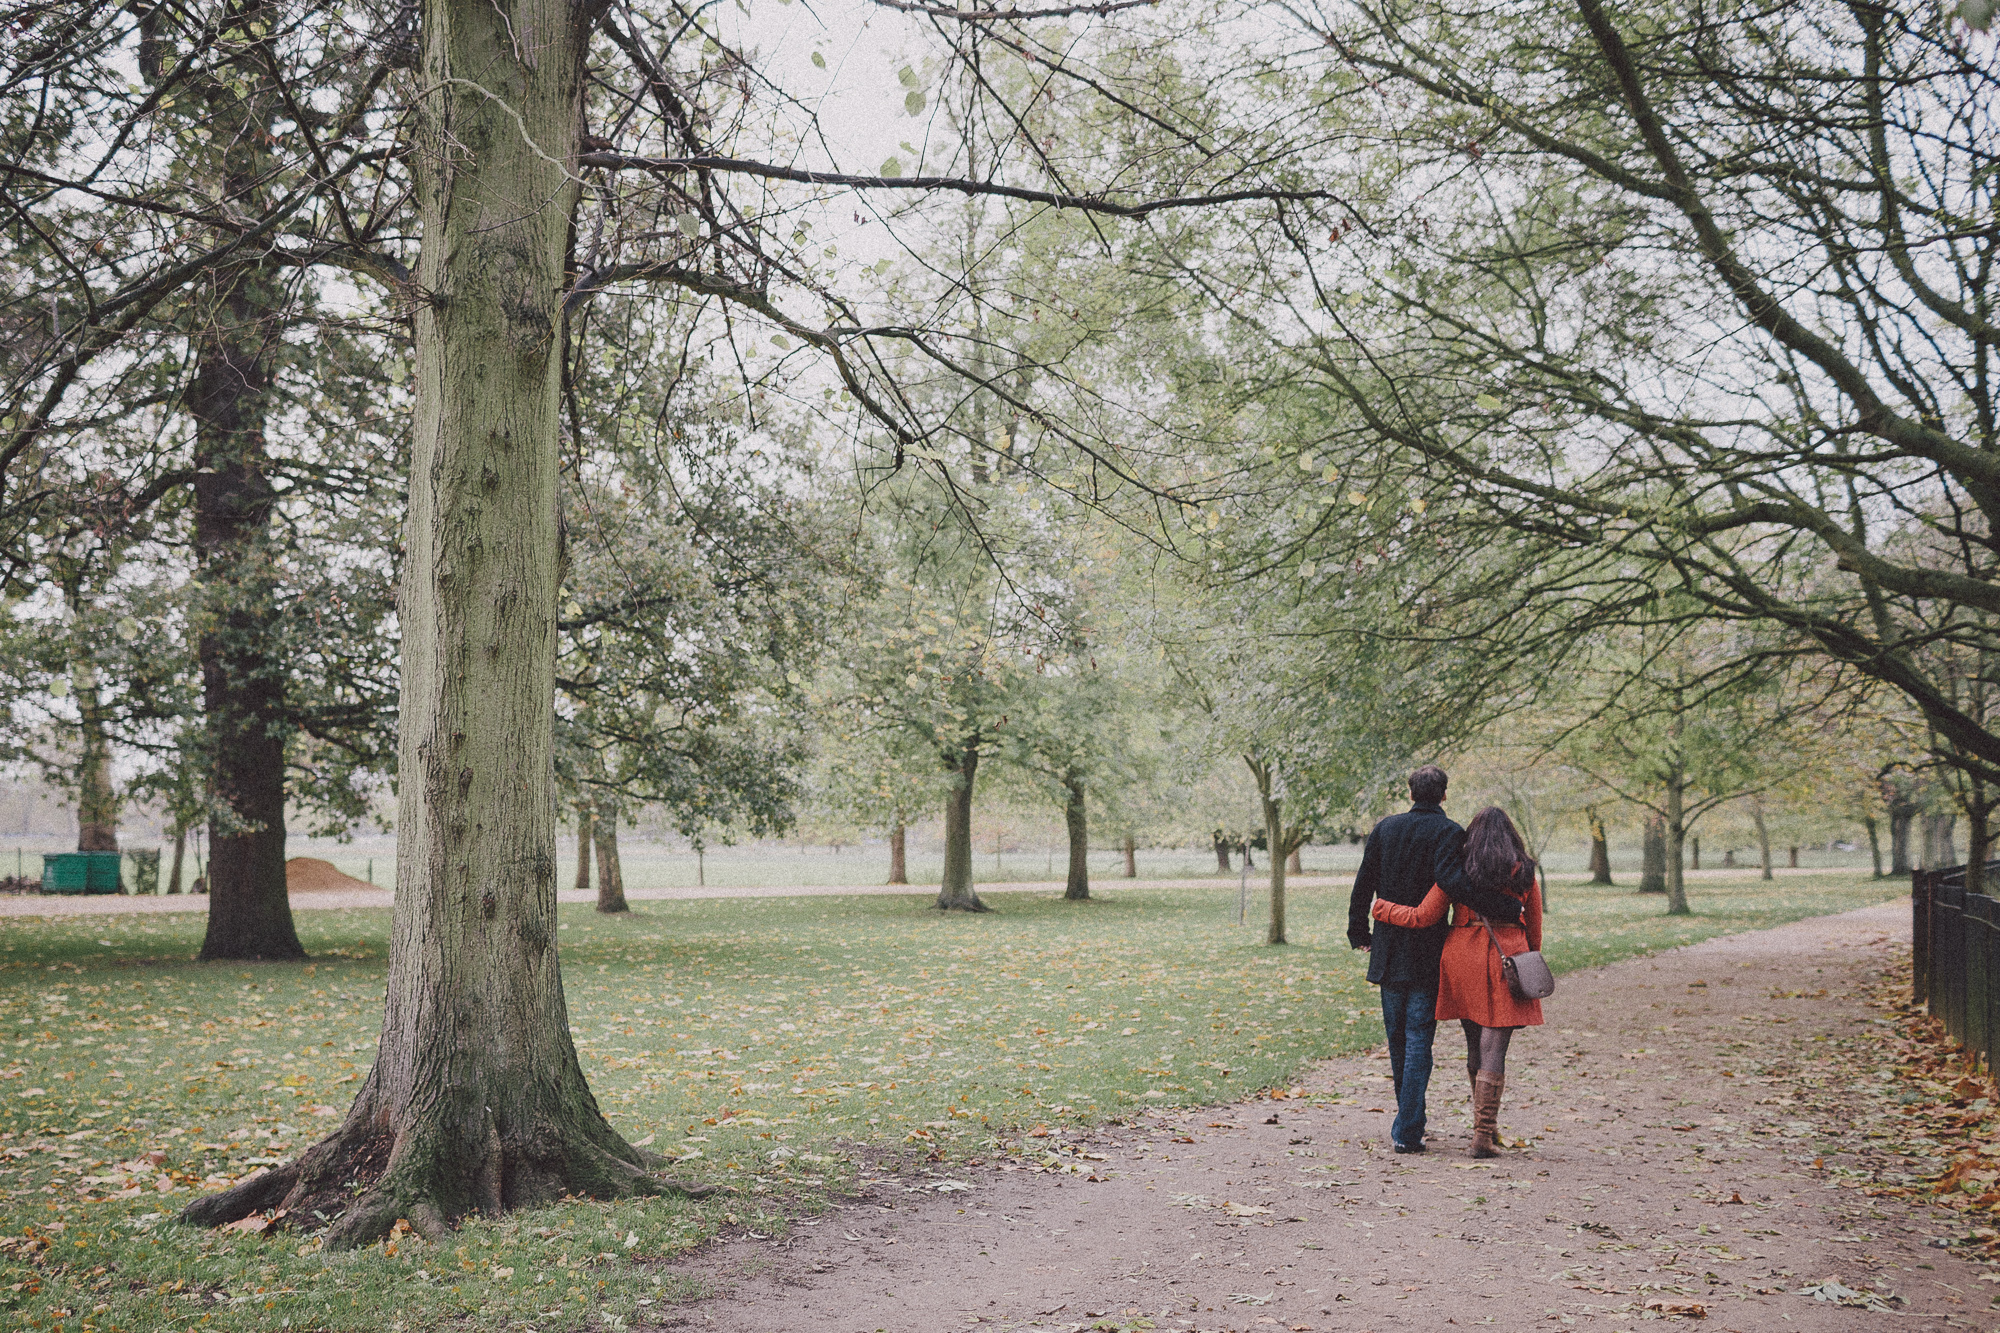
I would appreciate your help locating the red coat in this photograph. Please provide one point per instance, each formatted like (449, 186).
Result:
(1470, 983)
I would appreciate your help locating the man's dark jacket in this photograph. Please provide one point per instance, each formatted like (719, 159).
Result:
(1406, 854)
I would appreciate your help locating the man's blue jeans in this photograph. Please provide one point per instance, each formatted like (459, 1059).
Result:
(1410, 1018)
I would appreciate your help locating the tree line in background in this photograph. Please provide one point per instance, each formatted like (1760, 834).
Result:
(1229, 408)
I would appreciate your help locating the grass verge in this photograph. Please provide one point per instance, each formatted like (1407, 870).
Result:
(760, 1041)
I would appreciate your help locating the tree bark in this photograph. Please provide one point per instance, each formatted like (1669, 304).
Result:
(1294, 864)
(1131, 857)
(610, 870)
(476, 1101)
(956, 893)
(1600, 851)
(242, 671)
(96, 798)
(1076, 821)
(1694, 852)
(1794, 861)
(1677, 902)
(1653, 856)
(1763, 836)
(1729, 858)
(1221, 851)
(1874, 843)
(586, 834)
(899, 864)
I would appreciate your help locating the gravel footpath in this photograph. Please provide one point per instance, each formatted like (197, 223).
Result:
(1695, 1152)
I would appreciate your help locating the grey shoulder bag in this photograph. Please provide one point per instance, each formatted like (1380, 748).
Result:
(1528, 976)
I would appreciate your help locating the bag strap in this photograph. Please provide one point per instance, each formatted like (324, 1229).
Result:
(1491, 936)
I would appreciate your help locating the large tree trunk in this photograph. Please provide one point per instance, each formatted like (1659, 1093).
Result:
(476, 1101)
(1677, 902)
(96, 798)
(1600, 851)
(586, 834)
(242, 671)
(1075, 819)
(610, 870)
(956, 893)
(899, 864)
(1221, 851)
(1763, 837)
(1131, 857)
(1295, 864)
(1653, 856)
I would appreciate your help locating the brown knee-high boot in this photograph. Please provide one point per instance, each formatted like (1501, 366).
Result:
(1486, 1090)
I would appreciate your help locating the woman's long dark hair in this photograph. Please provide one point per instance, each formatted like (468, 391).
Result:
(1495, 856)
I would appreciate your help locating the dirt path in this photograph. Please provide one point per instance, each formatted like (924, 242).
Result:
(1685, 1154)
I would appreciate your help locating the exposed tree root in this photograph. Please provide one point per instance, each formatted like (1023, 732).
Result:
(359, 1181)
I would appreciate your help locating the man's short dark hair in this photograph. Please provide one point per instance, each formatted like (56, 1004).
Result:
(1427, 785)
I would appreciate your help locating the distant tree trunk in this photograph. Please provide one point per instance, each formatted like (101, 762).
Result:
(1677, 902)
(1763, 836)
(243, 672)
(1694, 853)
(1249, 861)
(1794, 863)
(1600, 851)
(1293, 864)
(1942, 828)
(610, 871)
(1653, 856)
(1901, 814)
(96, 798)
(476, 1100)
(899, 866)
(585, 835)
(1131, 857)
(1874, 843)
(956, 893)
(1978, 836)
(1075, 819)
(1277, 841)
(1221, 851)
(180, 853)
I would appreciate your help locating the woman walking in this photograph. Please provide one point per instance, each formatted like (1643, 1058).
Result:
(1471, 986)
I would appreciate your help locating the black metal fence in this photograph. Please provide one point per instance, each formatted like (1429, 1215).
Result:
(1955, 955)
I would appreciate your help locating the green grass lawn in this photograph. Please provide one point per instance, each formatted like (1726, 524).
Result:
(758, 1040)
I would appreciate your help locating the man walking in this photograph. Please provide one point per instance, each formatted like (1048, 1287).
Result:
(1406, 854)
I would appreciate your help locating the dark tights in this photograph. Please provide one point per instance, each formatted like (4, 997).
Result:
(1485, 1048)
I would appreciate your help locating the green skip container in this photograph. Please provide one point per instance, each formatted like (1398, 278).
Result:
(82, 872)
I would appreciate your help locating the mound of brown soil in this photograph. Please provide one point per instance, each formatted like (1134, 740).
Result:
(309, 874)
